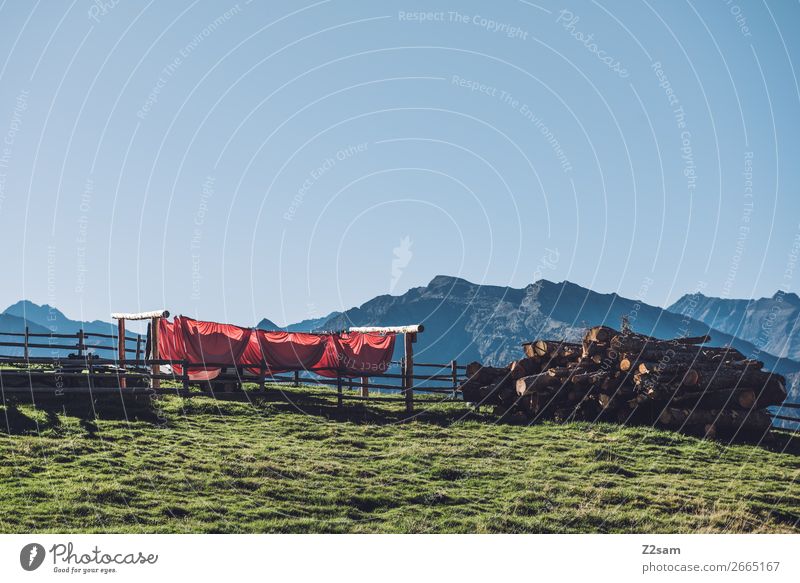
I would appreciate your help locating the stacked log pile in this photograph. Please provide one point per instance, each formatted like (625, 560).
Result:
(634, 379)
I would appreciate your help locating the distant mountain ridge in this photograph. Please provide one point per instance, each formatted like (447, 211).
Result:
(310, 325)
(45, 319)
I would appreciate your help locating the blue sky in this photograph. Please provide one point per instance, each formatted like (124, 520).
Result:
(234, 161)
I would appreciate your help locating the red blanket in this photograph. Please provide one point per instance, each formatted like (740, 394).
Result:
(283, 351)
(355, 354)
(208, 345)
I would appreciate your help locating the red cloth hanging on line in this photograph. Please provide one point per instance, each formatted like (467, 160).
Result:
(208, 343)
(283, 351)
(356, 354)
(168, 345)
(200, 343)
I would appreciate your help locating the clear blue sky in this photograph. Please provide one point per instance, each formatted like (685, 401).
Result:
(236, 161)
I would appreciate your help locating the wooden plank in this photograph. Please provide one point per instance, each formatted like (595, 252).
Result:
(784, 418)
(410, 329)
(140, 315)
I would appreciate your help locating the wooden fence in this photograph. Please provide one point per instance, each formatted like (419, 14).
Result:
(87, 372)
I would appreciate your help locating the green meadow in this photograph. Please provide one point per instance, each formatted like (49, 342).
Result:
(295, 463)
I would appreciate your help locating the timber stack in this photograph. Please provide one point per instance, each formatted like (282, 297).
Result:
(631, 378)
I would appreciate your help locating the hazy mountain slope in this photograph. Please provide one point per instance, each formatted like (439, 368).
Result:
(769, 323)
(310, 325)
(267, 324)
(46, 319)
(53, 319)
(10, 324)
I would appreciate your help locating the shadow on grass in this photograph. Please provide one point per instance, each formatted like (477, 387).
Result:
(366, 414)
(44, 417)
(783, 441)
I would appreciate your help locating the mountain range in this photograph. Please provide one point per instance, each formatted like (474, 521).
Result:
(770, 323)
(467, 321)
(45, 319)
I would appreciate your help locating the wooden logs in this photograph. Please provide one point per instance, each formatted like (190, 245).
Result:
(625, 377)
(535, 383)
(693, 340)
(524, 367)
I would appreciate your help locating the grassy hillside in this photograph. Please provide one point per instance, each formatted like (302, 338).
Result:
(206, 466)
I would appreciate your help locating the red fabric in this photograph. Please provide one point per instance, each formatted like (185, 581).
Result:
(213, 343)
(283, 351)
(169, 347)
(356, 354)
(198, 343)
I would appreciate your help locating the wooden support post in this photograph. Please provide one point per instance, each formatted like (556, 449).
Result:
(156, 368)
(185, 376)
(138, 347)
(262, 373)
(296, 382)
(403, 377)
(365, 386)
(81, 344)
(121, 350)
(89, 373)
(454, 374)
(338, 390)
(409, 339)
(26, 352)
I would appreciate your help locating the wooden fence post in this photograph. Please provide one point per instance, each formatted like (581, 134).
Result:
(138, 347)
(365, 386)
(403, 377)
(454, 374)
(156, 368)
(338, 390)
(262, 373)
(25, 346)
(121, 350)
(409, 339)
(296, 381)
(81, 344)
(185, 376)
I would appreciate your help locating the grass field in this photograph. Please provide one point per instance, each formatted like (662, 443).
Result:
(200, 465)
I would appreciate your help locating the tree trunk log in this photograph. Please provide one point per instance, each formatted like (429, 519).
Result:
(525, 367)
(537, 382)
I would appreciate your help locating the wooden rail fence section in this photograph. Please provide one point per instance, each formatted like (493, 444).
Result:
(143, 368)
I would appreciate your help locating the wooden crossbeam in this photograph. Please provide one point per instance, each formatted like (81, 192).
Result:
(410, 329)
(140, 315)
